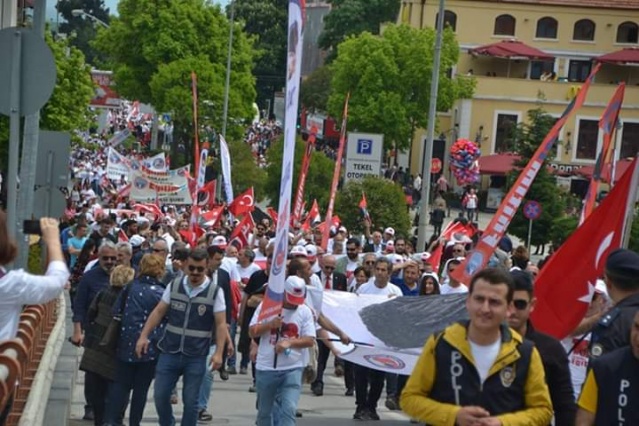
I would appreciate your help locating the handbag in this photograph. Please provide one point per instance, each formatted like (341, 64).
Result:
(111, 336)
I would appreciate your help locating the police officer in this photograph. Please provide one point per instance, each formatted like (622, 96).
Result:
(622, 282)
(610, 395)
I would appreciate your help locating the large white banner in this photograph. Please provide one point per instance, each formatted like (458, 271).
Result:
(166, 187)
(225, 158)
(272, 304)
(119, 165)
(389, 334)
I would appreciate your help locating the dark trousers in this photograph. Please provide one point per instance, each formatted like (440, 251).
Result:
(349, 376)
(395, 385)
(369, 384)
(130, 376)
(323, 353)
(99, 390)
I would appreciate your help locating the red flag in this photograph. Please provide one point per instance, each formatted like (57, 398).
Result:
(456, 231)
(206, 196)
(436, 257)
(363, 207)
(241, 233)
(242, 204)
(211, 217)
(608, 124)
(564, 292)
(273, 213)
(312, 217)
(149, 208)
(306, 162)
(122, 237)
(511, 202)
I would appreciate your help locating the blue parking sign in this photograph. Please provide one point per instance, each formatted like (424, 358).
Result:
(365, 146)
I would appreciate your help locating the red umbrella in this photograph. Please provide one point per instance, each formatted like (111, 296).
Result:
(620, 168)
(628, 55)
(511, 49)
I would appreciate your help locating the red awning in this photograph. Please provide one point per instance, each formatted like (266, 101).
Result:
(629, 55)
(620, 169)
(511, 49)
(497, 164)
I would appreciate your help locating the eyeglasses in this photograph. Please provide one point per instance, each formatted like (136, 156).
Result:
(520, 304)
(371, 262)
(458, 251)
(196, 268)
(329, 267)
(109, 258)
(157, 250)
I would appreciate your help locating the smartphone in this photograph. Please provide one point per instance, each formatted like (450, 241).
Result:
(31, 227)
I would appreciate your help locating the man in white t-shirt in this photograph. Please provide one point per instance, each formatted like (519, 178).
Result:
(245, 266)
(281, 355)
(453, 286)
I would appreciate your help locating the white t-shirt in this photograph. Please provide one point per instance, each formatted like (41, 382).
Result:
(447, 289)
(245, 273)
(370, 288)
(19, 288)
(218, 306)
(484, 357)
(296, 323)
(229, 265)
(577, 360)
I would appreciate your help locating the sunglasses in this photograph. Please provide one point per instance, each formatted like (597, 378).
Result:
(329, 267)
(156, 250)
(520, 305)
(109, 258)
(196, 268)
(370, 263)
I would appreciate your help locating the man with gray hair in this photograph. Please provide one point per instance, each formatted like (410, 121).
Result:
(124, 253)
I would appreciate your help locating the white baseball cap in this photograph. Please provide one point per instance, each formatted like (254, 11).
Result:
(389, 231)
(299, 251)
(295, 290)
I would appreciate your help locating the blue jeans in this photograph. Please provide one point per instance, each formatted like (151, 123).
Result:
(129, 376)
(167, 372)
(278, 393)
(207, 383)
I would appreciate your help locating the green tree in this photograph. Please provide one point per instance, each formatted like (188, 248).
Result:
(386, 205)
(528, 137)
(352, 17)
(389, 76)
(318, 180)
(173, 38)
(68, 108)
(316, 89)
(562, 228)
(81, 29)
(634, 234)
(267, 22)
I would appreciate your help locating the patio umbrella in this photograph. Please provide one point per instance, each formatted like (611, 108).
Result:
(511, 49)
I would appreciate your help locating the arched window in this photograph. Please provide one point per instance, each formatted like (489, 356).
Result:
(547, 28)
(584, 30)
(450, 18)
(505, 25)
(628, 32)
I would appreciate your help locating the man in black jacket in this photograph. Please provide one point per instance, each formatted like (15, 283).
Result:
(553, 355)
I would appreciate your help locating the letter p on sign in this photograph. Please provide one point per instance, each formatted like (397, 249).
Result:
(365, 146)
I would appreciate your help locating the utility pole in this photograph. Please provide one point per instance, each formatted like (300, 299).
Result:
(430, 132)
(227, 86)
(24, 208)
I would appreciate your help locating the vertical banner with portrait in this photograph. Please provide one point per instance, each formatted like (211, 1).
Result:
(272, 303)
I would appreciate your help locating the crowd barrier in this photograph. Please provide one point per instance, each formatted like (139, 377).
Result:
(20, 357)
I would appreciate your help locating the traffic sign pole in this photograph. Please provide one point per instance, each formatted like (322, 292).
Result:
(532, 211)
(530, 221)
(14, 133)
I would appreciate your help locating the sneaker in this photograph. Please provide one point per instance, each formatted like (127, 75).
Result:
(298, 414)
(232, 371)
(349, 392)
(252, 389)
(204, 416)
(224, 375)
(88, 414)
(391, 404)
(360, 414)
(371, 414)
(317, 388)
(243, 370)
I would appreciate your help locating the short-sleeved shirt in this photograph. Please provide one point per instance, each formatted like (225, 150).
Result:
(371, 288)
(219, 304)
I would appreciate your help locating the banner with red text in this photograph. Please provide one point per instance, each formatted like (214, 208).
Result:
(301, 182)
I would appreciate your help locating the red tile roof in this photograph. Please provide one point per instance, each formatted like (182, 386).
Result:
(603, 4)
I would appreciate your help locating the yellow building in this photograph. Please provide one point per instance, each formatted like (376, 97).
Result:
(573, 32)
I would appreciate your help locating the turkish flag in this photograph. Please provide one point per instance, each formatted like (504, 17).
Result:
(206, 195)
(312, 217)
(122, 237)
(211, 217)
(566, 284)
(273, 213)
(458, 230)
(436, 257)
(241, 233)
(242, 204)
(149, 208)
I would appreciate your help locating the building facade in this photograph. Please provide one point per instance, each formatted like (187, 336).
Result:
(573, 32)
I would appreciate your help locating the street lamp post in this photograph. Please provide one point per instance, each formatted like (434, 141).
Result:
(80, 12)
(227, 86)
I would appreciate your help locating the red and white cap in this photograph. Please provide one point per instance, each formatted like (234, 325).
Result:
(295, 290)
(219, 241)
(298, 251)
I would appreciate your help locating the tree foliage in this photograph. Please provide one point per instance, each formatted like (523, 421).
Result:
(81, 29)
(389, 77)
(267, 22)
(318, 180)
(386, 205)
(634, 234)
(155, 45)
(352, 17)
(544, 190)
(316, 89)
(68, 108)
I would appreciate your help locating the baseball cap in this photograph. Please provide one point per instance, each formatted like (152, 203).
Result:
(136, 241)
(389, 231)
(219, 241)
(298, 251)
(311, 250)
(295, 290)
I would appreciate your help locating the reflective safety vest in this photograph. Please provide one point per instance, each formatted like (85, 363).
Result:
(191, 324)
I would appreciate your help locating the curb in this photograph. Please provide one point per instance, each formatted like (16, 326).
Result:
(33, 414)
